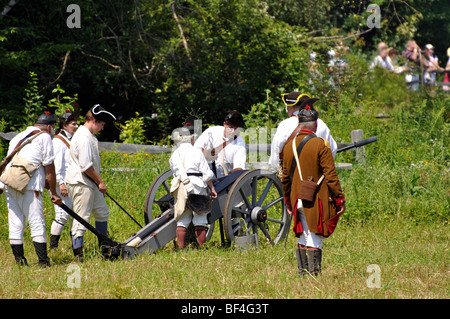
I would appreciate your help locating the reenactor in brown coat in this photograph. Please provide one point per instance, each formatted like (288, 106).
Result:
(314, 197)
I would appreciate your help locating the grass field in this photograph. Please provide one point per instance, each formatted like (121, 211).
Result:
(411, 258)
(412, 261)
(392, 242)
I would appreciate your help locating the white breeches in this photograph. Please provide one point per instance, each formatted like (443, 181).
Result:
(86, 202)
(23, 208)
(308, 238)
(189, 215)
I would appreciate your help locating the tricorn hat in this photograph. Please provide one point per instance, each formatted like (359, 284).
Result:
(294, 98)
(308, 102)
(101, 114)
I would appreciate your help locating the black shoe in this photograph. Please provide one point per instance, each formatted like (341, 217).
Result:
(54, 240)
(19, 255)
(41, 251)
(78, 254)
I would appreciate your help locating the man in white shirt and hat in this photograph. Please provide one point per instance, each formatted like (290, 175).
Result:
(192, 182)
(223, 147)
(25, 205)
(83, 177)
(289, 128)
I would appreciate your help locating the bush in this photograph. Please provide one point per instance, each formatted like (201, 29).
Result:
(132, 132)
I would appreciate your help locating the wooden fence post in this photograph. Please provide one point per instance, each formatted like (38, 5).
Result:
(358, 135)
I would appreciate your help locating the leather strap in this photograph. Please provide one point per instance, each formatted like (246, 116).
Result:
(59, 137)
(299, 150)
(292, 136)
(222, 146)
(18, 148)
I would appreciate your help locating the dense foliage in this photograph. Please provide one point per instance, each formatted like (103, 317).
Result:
(166, 60)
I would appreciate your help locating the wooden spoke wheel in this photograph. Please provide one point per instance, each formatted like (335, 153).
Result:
(158, 199)
(255, 204)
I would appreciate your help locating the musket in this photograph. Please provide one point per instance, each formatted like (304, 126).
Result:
(358, 144)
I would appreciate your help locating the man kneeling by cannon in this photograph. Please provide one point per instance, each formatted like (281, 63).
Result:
(192, 186)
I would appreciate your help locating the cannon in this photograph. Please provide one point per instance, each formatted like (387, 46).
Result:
(248, 202)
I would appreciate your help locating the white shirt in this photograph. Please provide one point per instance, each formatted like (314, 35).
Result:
(83, 154)
(193, 161)
(285, 129)
(39, 152)
(233, 156)
(379, 61)
(62, 157)
(393, 66)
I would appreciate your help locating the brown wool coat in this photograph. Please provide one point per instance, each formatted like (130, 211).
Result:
(315, 159)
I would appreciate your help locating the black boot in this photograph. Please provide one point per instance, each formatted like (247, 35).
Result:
(54, 240)
(19, 255)
(315, 261)
(41, 251)
(302, 261)
(78, 254)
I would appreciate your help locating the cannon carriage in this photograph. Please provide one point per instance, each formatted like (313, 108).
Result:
(249, 202)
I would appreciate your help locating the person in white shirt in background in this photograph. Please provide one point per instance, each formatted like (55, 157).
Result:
(83, 179)
(223, 147)
(196, 167)
(380, 60)
(433, 65)
(27, 206)
(392, 61)
(61, 148)
(294, 102)
(446, 76)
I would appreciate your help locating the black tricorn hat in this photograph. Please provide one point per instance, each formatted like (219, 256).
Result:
(294, 98)
(308, 102)
(234, 119)
(308, 114)
(101, 114)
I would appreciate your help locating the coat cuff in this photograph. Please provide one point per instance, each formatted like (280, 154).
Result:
(287, 200)
(339, 201)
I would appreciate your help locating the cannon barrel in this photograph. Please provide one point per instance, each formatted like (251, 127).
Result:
(358, 144)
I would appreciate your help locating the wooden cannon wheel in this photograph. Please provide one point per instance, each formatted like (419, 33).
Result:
(255, 203)
(159, 189)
